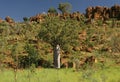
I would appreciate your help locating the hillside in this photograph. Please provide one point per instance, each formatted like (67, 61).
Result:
(98, 38)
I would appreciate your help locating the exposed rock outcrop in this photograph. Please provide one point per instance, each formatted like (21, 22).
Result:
(103, 13)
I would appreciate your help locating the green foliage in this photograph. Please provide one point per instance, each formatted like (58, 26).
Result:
(32, 54)
(65, 7)
(52, 10)
(25, 19)
(87, 74)
(63, 75)
(99, 22)
(32, 68)
(56, 31)
(13, 51)
(115, 45)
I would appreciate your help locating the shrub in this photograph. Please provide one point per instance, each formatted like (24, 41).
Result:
(114, 43)
(30, 59)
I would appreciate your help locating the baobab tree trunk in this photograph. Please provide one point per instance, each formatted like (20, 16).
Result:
(56, 56)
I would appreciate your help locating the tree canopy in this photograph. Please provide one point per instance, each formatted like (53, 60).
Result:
(65, 7)
(52, 10)
(62, 32)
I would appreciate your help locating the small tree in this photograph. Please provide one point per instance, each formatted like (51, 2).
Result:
(52, 10)
(25, 19)
(65, 7)
(59, 34)
(32, 55)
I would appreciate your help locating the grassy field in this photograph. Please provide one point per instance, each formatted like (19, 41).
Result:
(108, 74)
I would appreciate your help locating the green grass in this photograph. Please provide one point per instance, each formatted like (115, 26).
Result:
(109, 74)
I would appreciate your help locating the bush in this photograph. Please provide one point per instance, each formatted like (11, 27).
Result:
(114, 43)
(30, 59)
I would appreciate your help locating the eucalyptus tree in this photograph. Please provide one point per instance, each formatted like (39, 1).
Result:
(60, 34)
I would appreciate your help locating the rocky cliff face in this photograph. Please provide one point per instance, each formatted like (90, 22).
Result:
(103, 13)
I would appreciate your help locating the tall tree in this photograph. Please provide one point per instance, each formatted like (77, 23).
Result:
(60, 34)
(65, 7)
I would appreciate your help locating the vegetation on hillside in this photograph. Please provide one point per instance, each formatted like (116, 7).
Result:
(32, 41)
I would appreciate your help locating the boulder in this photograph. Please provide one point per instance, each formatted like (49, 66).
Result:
(1, 20)
(9, 19)
(89, 12)
(38, 18)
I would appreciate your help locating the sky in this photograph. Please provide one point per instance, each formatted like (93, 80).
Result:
(17, 9)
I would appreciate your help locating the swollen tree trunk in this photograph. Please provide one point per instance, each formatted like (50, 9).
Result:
(56, 56)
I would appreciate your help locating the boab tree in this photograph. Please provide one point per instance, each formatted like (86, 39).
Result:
(60, 34)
